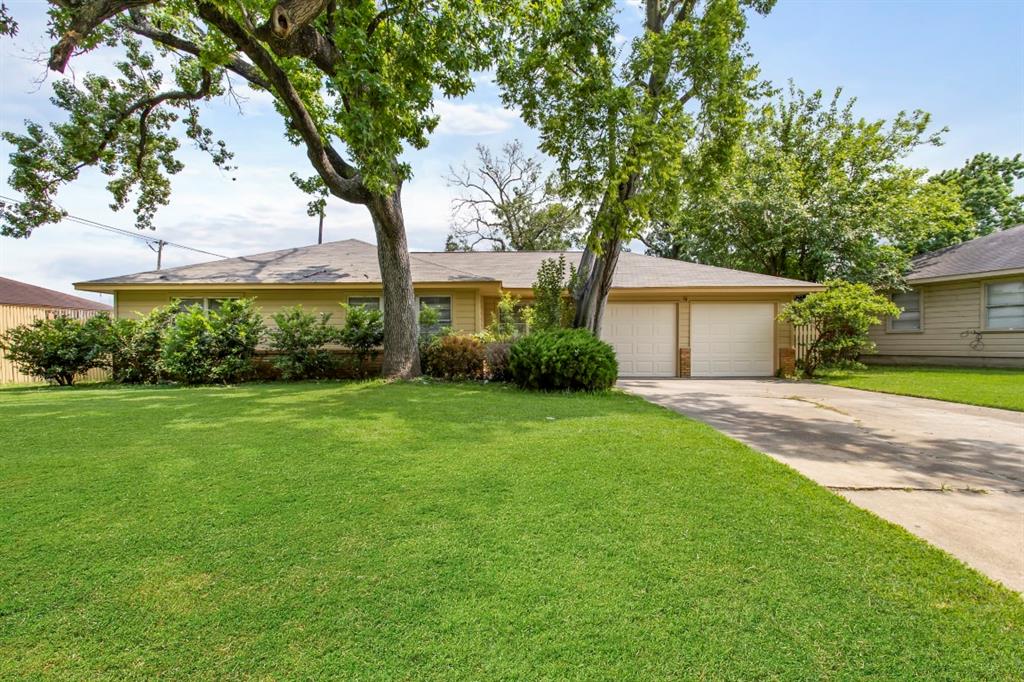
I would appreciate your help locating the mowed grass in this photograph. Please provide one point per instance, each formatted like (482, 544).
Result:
(372, 531)
(1003, 388)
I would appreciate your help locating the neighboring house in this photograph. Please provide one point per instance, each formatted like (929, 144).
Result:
(22, 303)
(965, 307)
(664, 318)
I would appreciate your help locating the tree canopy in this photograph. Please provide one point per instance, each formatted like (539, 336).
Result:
(353, 82)
(816, 193)
(618, 119)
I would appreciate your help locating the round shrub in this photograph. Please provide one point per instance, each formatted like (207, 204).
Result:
(563, 360)
(455, 357)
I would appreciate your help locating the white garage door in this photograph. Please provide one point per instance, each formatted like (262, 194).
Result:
(644, 338)
(732, 339)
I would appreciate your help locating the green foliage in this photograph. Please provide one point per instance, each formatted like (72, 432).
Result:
(987, 185)
(298, 341)
(358, 76)
(135, 346)
(363, 333)
(496, 355)
(429, 321)
(455, 357)
(563, 360)
(552, 307)
(57, 349)
(816, 193)
(842, 316)
(505, 324)
(619, 119)
(200, 347)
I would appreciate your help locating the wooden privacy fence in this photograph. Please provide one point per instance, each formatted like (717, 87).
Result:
(803, 337)
(17, 315)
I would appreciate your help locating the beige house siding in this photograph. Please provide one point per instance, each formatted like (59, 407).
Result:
(17, 315)
(271, 301)
(947, 310)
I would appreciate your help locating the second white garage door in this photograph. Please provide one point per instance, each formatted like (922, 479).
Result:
(732, 339)
(644, 338)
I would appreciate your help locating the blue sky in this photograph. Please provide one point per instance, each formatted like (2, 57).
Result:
(961, 61)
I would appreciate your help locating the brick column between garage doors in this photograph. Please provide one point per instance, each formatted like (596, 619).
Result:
(684, 362)
(787, 362)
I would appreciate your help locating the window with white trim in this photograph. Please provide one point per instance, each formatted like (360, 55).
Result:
(1004, 305)
(909, 319)
(443, 306)
(368, 302)
(206, 304)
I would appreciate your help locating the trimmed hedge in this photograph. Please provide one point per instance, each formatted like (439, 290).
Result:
(563, 360)
(455, 357)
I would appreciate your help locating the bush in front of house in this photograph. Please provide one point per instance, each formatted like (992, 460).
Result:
(135, 346)
(496, 360)
(363, 334)
(563, 360)
(219, 346)
(842, 316)
(299, 343)
(60, 348)
(454, 357)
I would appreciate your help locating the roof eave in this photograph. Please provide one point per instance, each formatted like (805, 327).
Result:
(986, 274)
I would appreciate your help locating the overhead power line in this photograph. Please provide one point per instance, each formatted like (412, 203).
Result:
(151, 241)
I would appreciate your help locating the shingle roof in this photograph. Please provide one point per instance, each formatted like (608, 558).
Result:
(992, 253)
(354, 261)
(13, 292)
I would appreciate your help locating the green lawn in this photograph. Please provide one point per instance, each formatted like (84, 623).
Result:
(975, 386)
(371, 531)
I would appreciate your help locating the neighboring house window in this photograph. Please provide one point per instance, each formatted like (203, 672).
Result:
(443, 306)
(368, 302)
(909, 319)
(1004, 305)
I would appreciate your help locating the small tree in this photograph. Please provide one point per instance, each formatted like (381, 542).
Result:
(504, 324)
(135, 345)
(363, 333)
(299, 341)
(842, 316)
(552, 308)
(60, 348)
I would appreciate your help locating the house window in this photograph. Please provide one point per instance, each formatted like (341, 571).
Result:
(206, 304)
(1004, 305)
(368, 302)
(443, 306)
(909, 319)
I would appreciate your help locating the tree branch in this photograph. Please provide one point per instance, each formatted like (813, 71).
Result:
(85, 18)
(139, 25)
(338, 175)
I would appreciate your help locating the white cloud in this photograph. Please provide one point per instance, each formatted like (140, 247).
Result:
(466, 118)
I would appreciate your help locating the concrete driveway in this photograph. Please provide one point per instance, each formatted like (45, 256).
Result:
(951, 474)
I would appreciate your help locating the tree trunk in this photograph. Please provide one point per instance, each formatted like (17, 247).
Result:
(592, 293)
(401, 348)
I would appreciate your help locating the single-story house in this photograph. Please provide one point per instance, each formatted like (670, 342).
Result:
(965, 307)
(664, 318)
(22, 303)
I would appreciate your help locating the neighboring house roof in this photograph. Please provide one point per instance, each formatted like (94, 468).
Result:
(13, 292)
(352, 261)
(997, 252)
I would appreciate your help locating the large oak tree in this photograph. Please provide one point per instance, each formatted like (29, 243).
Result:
(353, 80)
(619, 118)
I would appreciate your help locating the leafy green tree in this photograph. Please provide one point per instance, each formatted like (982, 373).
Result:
(842, 316)
(816, 193)
(135, 345)
(551, 306)
(987, 185)
(618, 120)
(505, 202)
(354, 83)
(58, 349)
(200, 347)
